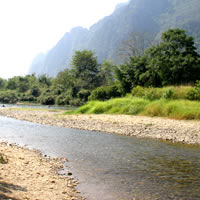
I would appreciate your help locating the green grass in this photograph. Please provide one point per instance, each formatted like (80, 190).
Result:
(170, 92)
(176, 109)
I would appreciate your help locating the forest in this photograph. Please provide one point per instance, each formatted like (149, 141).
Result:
(167, 69)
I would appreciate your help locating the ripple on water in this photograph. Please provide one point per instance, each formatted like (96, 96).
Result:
(111, 167)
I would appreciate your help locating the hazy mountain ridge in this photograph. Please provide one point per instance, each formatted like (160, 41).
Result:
(104, 37)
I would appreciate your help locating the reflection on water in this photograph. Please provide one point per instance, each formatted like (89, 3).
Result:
(111, 167)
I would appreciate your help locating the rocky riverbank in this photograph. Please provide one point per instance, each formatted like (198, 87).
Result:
(140, 126)
(27, 175)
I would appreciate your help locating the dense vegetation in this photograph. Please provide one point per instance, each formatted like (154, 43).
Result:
(148, 76)
(175, 109)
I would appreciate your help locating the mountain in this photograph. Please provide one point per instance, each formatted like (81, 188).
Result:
(37, 65)
(104, 37)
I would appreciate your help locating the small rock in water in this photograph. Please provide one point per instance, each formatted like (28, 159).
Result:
(69, 174)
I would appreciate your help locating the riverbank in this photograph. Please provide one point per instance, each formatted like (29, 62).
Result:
(29, 176)
(150, 127)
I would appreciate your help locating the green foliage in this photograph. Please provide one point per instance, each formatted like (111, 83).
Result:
(174, 61)
(64, 80)
(47, 97)
(83, 95)
(106, 92)
(85, 69)
(34, 91)
(8, 96)
(172, 92)
(45, 81)
(175, 109)
(12, 83)
(107, 72)
(2, 83)
(63, 99)
(75, 102)
(194, 93)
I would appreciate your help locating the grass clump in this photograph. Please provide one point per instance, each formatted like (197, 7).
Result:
(175, 109)
(170, 92)
(124, 105)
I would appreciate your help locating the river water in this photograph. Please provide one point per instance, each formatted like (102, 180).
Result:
(112, 167)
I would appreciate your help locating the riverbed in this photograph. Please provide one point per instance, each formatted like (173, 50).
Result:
(114, 167)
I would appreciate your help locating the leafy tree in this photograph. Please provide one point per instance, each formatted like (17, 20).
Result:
(174, 61)
(2, 83)
(107, 72)
(64, 80)
(85, 69)
(12, 83)
(45, 81)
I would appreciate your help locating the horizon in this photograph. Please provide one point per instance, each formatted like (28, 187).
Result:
(32, 27)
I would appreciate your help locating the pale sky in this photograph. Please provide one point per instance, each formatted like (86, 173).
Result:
(28, 27)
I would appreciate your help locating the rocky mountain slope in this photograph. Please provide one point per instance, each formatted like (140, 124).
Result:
(105, 36)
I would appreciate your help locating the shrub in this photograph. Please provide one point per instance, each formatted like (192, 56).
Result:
(138, 91)
(168, 94)
(47, 100)
(179, 92)
(9, 97)
(63, 99)
(194, 93)
(84, 94)
(75, 102)
(106, 92)
(27, 97)
(153, 93)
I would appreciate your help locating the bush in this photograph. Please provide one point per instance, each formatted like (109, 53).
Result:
(75, 102)
(83, 95)
(34, 91)
(138, 91)
(106, 92)
(9, 97)
(47, 100)
(47, 97)
(168, 94)
(194, 93)
(27, 97)
(63, 99)
(179, 92)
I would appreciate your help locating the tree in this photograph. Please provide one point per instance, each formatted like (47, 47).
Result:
(107, 72)
(12, 83)
(45, 81)
(64, 80)
(85, 69)
(2, 83)
(175, 60)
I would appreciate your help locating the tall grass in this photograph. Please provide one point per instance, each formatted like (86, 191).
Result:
(176, 109)
(170, 92)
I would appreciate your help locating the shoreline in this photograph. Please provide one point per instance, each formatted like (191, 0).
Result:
(30, 176)
(180, 131)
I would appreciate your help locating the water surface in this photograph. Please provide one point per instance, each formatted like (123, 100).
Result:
(112, 167)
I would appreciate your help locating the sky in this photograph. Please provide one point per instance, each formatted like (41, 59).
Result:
(29, 27)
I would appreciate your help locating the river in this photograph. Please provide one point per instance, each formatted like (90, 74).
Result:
(113, 167)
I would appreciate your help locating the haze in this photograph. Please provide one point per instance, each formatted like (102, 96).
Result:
(29, 27)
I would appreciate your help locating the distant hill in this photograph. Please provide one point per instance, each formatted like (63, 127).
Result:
(104, 37)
